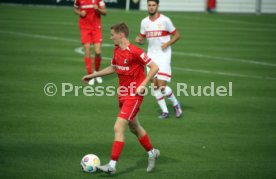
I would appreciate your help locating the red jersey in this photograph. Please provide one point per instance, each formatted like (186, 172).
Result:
(93, 17)
(129, 64)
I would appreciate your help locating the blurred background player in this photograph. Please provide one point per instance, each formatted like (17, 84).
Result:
(129, 63)
(90, 12)
(158, 28)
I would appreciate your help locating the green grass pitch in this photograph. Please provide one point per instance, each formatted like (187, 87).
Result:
(218, 137)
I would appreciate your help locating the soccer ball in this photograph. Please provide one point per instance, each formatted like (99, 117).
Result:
(89, 163)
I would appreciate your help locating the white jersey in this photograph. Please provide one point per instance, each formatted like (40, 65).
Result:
(158, 32)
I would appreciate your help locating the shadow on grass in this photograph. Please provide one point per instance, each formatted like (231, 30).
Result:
(142, 164)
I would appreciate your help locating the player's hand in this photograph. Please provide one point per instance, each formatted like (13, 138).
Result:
(96, 7)
(164, 46)
(140, 90)
(137, 39)
(82, 13)
(86, 78)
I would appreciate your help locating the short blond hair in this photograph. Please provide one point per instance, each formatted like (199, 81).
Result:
(121, 28)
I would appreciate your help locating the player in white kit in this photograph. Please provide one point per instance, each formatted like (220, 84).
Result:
(158, 29)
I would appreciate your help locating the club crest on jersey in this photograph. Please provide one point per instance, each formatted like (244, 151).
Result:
(126, 61)
(159, 26)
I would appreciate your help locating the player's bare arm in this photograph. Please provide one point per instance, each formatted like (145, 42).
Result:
(107, 71)
(101, 9)
(79, 12)
(140, 40)
(153, 70)
(175, 37)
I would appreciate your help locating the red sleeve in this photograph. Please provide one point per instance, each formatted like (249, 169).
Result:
(101, 3)
(143, 35)
(77, 3)
(173, 32)
(113, 62)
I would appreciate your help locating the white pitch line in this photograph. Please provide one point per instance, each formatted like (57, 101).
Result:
(224, 58)
(174, 53)
(80, 51)
(39, 36)
(224, 74)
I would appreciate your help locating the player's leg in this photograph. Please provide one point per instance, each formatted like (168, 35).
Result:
(164, 76)
(144, 140)
(119, 138)
(167, 91)
(86, 41)
(97, 41)
(87, 57)
(88, 61)
(117, 147)
(97, 60)
(160, 100)
(128, 110)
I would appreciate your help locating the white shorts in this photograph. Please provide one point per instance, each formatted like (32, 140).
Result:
(163, 62)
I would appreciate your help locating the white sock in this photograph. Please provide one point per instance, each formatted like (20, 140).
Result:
(160, 100)
(151, 152)
(169, 93)
(112, 163)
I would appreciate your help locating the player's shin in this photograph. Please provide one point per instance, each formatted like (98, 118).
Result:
(117, 148)
(145, 142)
(97, 62)
(161, 101)
(169, 93)
(88, 64)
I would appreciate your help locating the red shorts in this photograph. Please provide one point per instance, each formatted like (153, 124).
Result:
(91, 36)
(129, 108)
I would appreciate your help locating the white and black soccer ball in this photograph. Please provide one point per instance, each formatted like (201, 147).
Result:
(89, 163)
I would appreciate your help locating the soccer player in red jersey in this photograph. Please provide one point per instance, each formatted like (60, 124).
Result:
(129, 63)
(90, 12)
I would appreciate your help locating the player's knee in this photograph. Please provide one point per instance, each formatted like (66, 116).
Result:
(98, 53)
(134, 129)
(117, 129)
(87, 52)
(162, 88)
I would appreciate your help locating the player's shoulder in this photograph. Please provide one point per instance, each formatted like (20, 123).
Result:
(100, 2)
(145, 20)
(133, 49)
(164, 17)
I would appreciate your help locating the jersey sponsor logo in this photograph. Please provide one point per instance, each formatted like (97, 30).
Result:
(159, 33)
(123, 68)
(87, 6)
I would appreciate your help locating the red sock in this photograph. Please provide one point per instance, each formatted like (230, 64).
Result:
(97, 62)
(88, 64)
(145, 142)
(116, 150)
